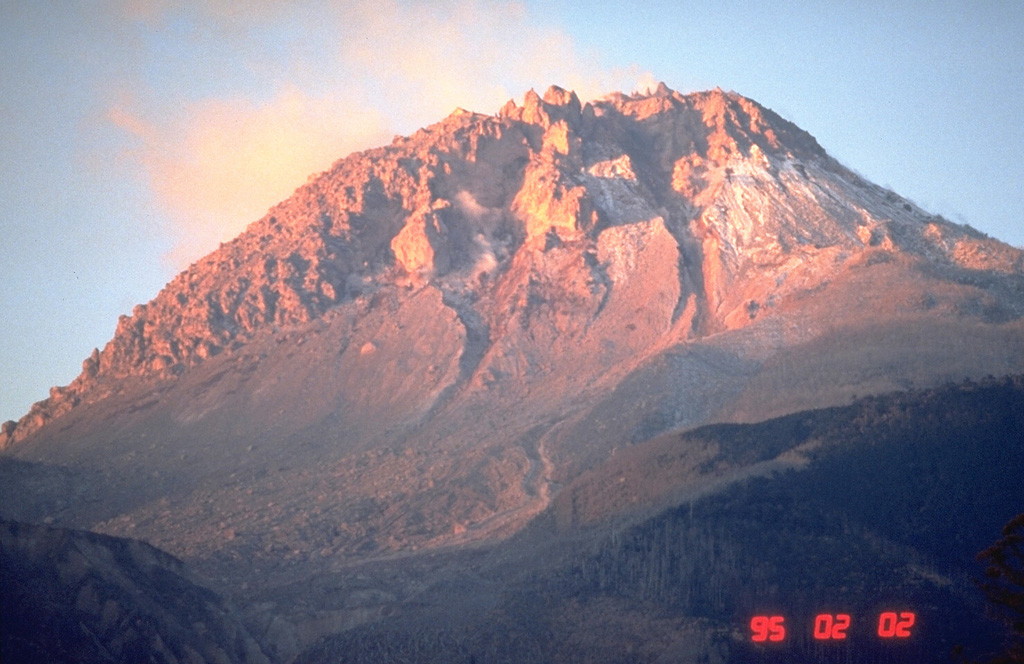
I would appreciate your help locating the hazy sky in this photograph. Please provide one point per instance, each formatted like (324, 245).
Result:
(135, 135)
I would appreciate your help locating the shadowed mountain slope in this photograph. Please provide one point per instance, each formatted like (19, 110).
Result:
(73, 596)
(665, 553)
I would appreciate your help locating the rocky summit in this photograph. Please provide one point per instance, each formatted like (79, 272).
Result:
(421, 346)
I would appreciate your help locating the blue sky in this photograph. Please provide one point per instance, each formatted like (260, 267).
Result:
(135, 135)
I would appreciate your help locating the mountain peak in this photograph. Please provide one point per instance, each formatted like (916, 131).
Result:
(469, 334)
(557, 104)
(732, 199)
(557, 96)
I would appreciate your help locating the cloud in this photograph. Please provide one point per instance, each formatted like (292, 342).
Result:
(227, 12)
(228, 160)
(471, 54)
(288, 89)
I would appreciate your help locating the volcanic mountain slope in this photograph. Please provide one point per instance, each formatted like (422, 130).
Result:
(554, 220)
(422, 344)
(665, 552)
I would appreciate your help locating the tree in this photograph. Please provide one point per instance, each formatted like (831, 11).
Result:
(1004, 586)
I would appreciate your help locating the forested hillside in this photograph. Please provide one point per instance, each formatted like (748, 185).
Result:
(890, 502)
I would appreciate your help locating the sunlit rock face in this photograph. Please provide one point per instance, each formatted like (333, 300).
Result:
(463, 320)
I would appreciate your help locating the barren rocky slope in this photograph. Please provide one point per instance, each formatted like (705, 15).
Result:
(704, 213)
(424, 343)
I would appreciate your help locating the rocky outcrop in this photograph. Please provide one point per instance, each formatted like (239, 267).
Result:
(474, 204)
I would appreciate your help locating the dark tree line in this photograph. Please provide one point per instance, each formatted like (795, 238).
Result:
(1003, 585)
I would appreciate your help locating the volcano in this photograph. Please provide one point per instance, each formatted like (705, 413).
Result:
(418, 351)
